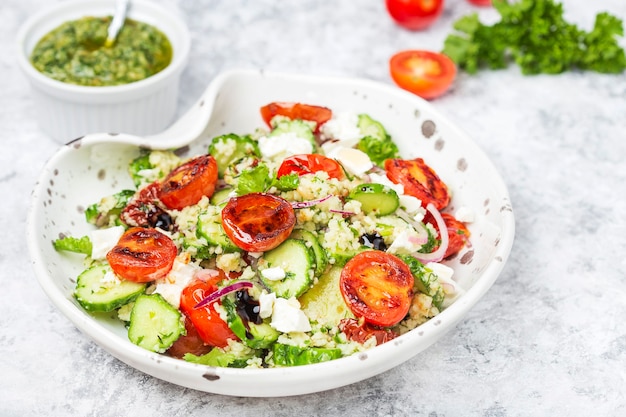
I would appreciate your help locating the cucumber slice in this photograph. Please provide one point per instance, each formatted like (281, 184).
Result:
(221, 196)
(371, 127)
(321, 260)
(375, 198)
(229, 148)
(300, 128)
(95, 293)
(324, 303)
(210, 227)
(154, 323)
(296, 260)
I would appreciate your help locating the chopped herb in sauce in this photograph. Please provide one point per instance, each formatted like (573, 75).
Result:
(75, 53)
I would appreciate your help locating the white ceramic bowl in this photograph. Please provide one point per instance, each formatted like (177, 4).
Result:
(96, 165)
(67, 111)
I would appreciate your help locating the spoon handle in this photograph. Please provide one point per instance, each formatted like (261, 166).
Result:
(121, 7)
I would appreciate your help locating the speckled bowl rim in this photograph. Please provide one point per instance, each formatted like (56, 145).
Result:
(278, 381)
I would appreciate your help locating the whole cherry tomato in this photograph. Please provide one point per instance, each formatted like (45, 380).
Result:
(419, 180)
(293, 111)
(377, 286)
(258, 222)
(210, 327)
(188, 183)
(142, 255)
(425, 73)
(310, 163)
(414, 14)
(481, 2)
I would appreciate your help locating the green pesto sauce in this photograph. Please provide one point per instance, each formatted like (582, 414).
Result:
(75, 53)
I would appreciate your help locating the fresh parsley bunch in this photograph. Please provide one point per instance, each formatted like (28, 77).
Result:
(534, 34)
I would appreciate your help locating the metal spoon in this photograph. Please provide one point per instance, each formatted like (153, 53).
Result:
(121, 7)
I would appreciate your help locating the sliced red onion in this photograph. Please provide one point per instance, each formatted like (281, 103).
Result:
(310, 203)
(437, 255)
(405, 216)
(222, 292)
(343, 212)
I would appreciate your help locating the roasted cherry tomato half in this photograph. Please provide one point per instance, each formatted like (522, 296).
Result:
(188, 183)
(414, 14)
(293, 111)
(377, 286)
(458, 233)
(481, 2)
(258, 222)
(425, 73)
(145, 210)
(210, 327)
(361, 332)
(310, 163)
(419, 180)
(142, 255)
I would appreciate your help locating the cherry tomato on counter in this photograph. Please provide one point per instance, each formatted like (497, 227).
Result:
(188, 183)
(293, 111)
(377, 286)
(481, 2)
(414, 14)
(425, 73)
(142, 255)
(419, 180)
(310, 163)
(210, 327)
(258, 222)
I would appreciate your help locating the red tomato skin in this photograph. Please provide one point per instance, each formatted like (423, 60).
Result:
(458, 233)
(145, 209)
(258, 222)
(210, 327)
(377, 286)
(142, 255)
(419, 180)
(293, 111)
(414, 14)
(481, 2)
(310, 163)
(188, 183)
(191, 342)
(424, 73)
(361, 332)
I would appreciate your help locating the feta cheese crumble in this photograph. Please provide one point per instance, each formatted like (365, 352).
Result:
(274, 274)
(103, 240)
(287, 316)
(353, 160)
(284, 145)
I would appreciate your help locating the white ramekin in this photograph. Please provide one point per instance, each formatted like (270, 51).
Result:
(66, 111)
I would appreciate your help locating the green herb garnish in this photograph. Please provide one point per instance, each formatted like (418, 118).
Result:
(535, 35)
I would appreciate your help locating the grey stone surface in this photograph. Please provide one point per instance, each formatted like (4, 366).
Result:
(549, 338)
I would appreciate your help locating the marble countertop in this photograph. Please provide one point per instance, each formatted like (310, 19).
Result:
(549, 338)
